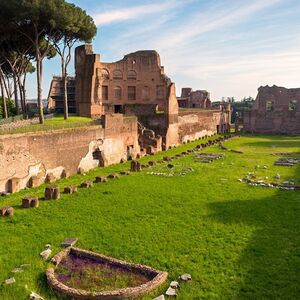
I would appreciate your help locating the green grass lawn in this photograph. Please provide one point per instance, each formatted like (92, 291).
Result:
(237, 241)
(54, 123)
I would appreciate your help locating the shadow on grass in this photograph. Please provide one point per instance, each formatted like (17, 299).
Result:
(270, 264)
(274, 141)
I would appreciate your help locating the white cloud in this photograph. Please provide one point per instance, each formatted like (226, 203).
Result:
(205, 22)
(136, 12)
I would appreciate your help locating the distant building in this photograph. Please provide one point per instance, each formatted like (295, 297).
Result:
(55, 97)
(194, 99)
(275, 110)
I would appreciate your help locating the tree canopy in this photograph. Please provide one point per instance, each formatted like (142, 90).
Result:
(32, 30)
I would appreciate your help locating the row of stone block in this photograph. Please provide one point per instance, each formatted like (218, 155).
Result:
(13, 184)
(6, 211)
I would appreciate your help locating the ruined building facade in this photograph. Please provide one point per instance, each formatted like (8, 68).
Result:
(55, 100)
(136, 113)
(194, 99)
(275, 110)
(137, 85)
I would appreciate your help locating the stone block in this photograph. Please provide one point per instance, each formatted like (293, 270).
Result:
(69, 242)
(13, 185)
(80, 171)
(52, 193)
(30, 202)
(113, 176)
(70, 189)
(6, 211)
(64, 174)
(135, 166)
(125, 173)
(50, 178)
(100, 179)
(87, 184)
(34, 181)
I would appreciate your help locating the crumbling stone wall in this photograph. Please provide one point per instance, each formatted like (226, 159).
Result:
(102, 87)
(194, 99)
(194, 125)
(275, 110)
(60, 152)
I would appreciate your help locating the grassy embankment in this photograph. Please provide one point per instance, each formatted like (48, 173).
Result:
(237, 242)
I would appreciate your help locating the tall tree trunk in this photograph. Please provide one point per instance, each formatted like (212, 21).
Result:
(16, 94)
(24, 94)
(5, 115)
(39, 85)
(65, 87)
(21, 96)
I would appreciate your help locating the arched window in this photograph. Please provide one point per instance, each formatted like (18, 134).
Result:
(118, 74)
(131, 75)
(104, 74)
(118, 93)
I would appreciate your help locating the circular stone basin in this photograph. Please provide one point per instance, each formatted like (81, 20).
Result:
(81, 274)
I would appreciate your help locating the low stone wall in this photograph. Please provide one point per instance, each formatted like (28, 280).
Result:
(159, 278)
(194, 125)
(67, 151)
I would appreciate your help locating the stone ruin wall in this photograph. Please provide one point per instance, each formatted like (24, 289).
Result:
(281, 119)
(23, 156)
(194, 125)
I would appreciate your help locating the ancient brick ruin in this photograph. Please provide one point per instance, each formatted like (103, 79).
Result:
(194, 99)
(137, 85)
(137, 111)
(275, 110)
(55, 100)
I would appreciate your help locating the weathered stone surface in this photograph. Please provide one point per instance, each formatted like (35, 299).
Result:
(69, 242)
(6, 211)
(171, 292)
(87, 184)
(11, 280)
(17, 270)
(50, 178)
(125, 173)
(30, 202)
(100, 179)
(13, 185)
(174, 285)
(271, 112)
(185, 277)
(161, 297)
(80, 171)
(35, 296)
(46, 253)
(64, 174)
(157, 278)
(135, 166)
(113, 176)
(52, 193)
(34, 181)
(70, 189)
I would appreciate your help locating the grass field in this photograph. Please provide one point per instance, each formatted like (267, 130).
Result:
(54, 123)
(237, 242)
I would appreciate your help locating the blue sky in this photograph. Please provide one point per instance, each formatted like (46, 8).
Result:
(228, 47)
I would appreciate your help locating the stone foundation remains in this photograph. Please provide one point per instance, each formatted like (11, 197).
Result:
(158, 278)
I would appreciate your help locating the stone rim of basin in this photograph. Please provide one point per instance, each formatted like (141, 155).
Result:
(158, 277)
